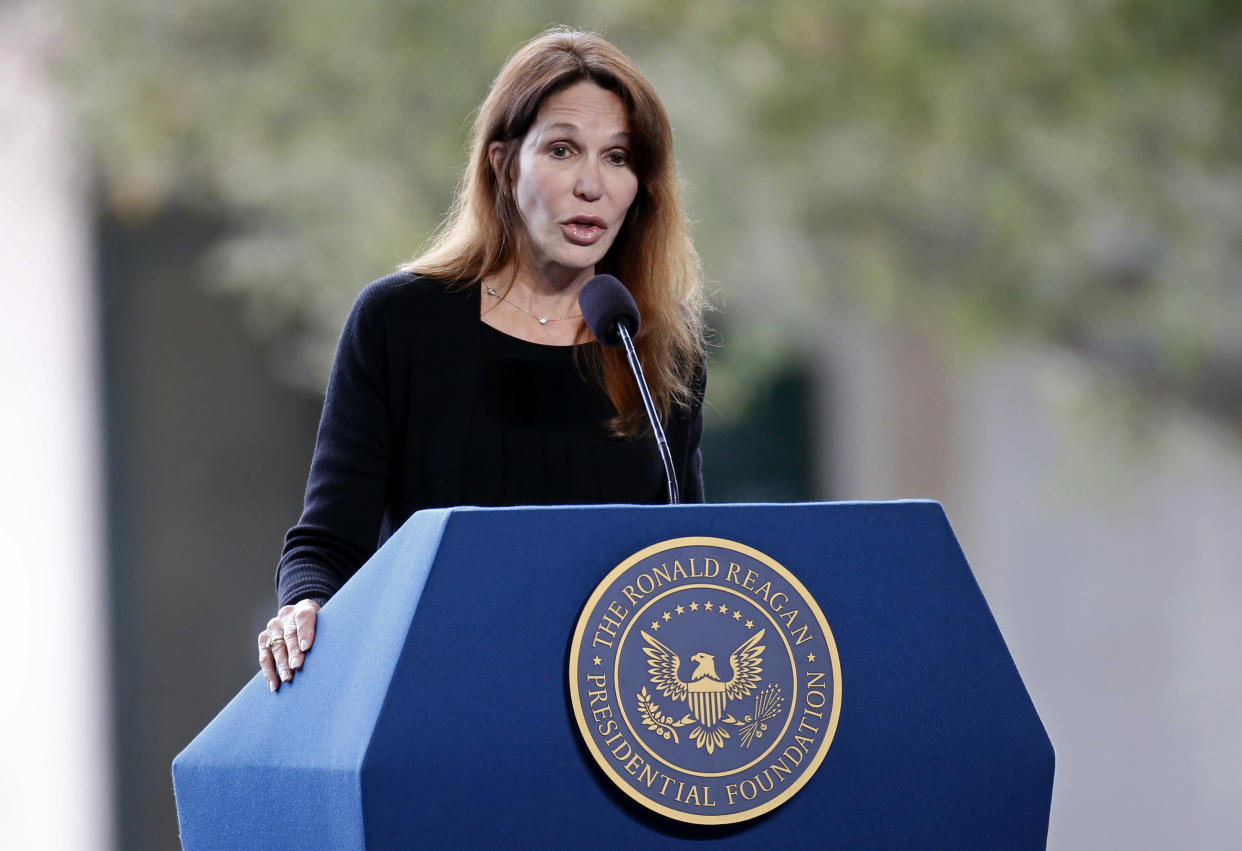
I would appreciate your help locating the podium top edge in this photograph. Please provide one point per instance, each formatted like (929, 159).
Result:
(692, 506)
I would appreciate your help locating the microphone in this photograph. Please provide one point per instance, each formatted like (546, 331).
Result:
(611, 314)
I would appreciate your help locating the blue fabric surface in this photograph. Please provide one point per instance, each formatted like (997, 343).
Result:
(439, 715)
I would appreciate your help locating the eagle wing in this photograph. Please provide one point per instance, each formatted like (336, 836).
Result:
(747, 664)
(663, 664)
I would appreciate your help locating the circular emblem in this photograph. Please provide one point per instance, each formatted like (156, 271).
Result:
(705, 680)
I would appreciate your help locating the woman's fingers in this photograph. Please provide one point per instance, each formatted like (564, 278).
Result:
(280, 652)
(305, 614)
(289, 638)
(266, 666)
(283, 645)
(267, 658)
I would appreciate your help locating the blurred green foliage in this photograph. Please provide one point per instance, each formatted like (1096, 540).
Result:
(1066, 169)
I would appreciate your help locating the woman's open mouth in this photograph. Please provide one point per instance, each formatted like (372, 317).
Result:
(584, 230)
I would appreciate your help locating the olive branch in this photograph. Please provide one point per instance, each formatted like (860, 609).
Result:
(662, 725)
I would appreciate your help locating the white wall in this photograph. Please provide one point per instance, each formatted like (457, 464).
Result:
(54, 728)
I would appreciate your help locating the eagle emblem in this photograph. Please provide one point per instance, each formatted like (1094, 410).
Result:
(706, 694)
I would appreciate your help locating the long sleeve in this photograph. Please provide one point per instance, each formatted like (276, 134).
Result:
(345, 493)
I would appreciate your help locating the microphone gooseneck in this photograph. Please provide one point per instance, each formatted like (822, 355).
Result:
(611, 314)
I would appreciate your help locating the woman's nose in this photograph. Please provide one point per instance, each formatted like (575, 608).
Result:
(589, 185)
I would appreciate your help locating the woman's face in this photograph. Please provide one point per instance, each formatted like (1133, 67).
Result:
(574, 181)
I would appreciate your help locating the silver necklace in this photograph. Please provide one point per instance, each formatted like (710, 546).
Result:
(542, 320)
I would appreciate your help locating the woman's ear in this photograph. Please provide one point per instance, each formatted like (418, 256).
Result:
(496, 158)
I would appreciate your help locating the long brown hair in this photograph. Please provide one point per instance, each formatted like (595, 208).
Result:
(652, 254)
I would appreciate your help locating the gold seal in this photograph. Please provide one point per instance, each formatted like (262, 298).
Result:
(705, 680)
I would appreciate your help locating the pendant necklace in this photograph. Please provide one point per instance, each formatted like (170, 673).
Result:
(541, 319)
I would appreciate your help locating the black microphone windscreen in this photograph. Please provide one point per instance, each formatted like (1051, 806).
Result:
(604, 302)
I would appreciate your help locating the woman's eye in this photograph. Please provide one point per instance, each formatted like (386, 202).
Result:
(618, 157)
(559, 151)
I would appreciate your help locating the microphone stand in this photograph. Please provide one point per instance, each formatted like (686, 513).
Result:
(666, 454)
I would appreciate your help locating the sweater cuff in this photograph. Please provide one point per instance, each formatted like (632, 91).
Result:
(303, 581)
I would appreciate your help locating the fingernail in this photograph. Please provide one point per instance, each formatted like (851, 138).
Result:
(271, 684)
(304, 644)
(285, 676)
(295, 661)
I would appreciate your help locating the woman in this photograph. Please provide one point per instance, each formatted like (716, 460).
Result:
(469, 377)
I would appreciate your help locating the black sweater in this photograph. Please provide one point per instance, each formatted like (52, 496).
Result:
(427, 406)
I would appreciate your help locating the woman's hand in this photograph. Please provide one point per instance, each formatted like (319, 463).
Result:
(283, 645)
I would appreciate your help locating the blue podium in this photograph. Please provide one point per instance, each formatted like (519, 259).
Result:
(435, 710)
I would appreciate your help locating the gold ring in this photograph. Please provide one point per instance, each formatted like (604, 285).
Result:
(272, 642)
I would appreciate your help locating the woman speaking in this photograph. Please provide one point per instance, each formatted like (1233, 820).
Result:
(469, 377)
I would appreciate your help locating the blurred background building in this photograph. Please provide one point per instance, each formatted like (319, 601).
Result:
(983, 253)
